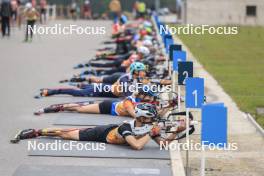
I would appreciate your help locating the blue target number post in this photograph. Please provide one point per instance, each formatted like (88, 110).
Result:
(214, 128)
(214, 124)
(194, 99)
(168, 41)
(185, 70)
(176, 56)
(172, 48)
(194, 93)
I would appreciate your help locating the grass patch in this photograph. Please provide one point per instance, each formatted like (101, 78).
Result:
(237, 62)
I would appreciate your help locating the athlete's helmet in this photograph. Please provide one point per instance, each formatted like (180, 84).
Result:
(137, 66)
(123, 19)
(148, 37)
(146, 90)
(28, 5)
(143, 50)
(147, 24)
(146, 110)
(149, 30)
(147, 43)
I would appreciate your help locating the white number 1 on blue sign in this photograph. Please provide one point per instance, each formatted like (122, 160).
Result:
(195, 97)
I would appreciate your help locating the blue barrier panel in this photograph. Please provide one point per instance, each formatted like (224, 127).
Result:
(194, 92)
(178, 56)
(214, 125)
(185, 70)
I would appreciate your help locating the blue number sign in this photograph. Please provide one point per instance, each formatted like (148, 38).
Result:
(169, 42)
(174, 47)
(194, 92)
(214, 124)
(185, 70)
(166, 37)
(178, 56)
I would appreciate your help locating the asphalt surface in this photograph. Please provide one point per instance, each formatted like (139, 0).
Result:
(27, 67)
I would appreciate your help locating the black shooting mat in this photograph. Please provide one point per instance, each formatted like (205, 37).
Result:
(95, 150)
(78, 119)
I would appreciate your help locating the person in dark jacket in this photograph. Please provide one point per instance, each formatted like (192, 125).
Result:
(5, 16)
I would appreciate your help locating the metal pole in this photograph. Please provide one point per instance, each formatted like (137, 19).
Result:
(203, 162)
(187, 141)
(179, 98)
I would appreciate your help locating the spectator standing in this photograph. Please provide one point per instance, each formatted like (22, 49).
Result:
(31, 16)
(87, 11)
(43, 11)
(14, 7)
(19, 14)
(115, 9)
(5, 16)
(73, 10)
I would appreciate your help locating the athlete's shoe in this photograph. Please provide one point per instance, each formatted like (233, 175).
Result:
(39, 112)
(78, 66)
(64, 81)
(53, 109)
(28, 133)
(25, 134)
(77, 79)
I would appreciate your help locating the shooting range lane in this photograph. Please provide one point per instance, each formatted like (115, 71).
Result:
(28, 170)
(74, 119)
(150, 151)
